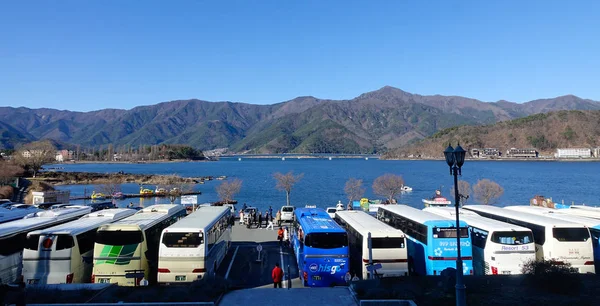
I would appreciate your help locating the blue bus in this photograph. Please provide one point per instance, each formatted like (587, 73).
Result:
(321, 248)
(431, 239)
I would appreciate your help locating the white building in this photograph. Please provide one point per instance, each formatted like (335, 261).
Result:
(574, 153)
(59, 158)
(55, 196)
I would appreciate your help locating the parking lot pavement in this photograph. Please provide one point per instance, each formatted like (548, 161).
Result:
(246, 267)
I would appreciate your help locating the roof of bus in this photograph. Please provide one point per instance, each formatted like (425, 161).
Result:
(521, 216)
(475, 220)
(580, 211)
(146, 217)
(316, 220)
(364, 223)
(87, 222)
(201, 219)
(420, 216)
(41, 219)
(13, 214)
(557, 214)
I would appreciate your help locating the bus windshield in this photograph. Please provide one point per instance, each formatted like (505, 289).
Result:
(450, 232)
(119, 237)
(387, 243)
(512, 238)
(571, 234)
(326, 240)
(182, 240)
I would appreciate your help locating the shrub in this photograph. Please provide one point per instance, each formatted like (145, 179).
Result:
(552, 276)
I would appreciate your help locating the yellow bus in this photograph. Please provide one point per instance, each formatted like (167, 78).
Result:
(126, 251)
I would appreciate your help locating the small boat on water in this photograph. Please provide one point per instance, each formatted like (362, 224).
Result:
(97, 195)
(146, 191)
(437, 201)
(222, 177)
(118, 195)
(160, 191)
(405, 188)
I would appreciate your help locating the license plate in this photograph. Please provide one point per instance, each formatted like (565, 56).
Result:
(316, 277)
(104, 280)
(33, 281)
(179, 277)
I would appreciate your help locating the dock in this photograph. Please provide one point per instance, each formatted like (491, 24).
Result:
(136, 195)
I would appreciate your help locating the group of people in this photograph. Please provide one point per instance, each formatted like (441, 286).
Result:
(257, 218)
(283, 236)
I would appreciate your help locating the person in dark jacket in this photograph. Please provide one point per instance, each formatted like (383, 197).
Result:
(277, 275)
(260, 220)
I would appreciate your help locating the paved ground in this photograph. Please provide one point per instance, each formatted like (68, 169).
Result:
(340, 296)
(245, 268)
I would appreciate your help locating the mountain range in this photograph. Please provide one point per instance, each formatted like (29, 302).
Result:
(372, 122)
(545, 132)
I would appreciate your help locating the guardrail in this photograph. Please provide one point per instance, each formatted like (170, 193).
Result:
(133, 304)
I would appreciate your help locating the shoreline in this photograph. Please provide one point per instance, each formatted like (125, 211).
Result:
(504, 159)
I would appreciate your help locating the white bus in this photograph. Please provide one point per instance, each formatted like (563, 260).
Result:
(16, 213)
(194, 245)
(498, 247)
(592, 224)
(555, 239)
(581, 210)
(388, 245)
(126, 251)
(63, 253)
(13, 235)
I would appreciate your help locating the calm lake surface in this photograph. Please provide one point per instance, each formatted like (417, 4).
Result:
(324, 180)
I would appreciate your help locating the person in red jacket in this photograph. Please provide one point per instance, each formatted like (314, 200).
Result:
(277, 275)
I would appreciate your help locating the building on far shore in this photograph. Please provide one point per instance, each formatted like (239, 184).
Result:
(522, 153)
(485, 152)
(574, 153)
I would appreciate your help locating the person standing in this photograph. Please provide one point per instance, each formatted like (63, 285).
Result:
(280, 234)
(241, 216)
(278, 218)
(260, 220)
(271, 213)
(286, 237)
(277, 275)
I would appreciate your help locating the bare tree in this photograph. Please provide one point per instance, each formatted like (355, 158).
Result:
(227, 190)
(354, 189)
(464, 191)
(487, 192)
(34, 155)
(112, 186)
(8, 171)
(285, 182)
(388, 185)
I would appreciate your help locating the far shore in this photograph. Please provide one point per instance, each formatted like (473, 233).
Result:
(505, 159)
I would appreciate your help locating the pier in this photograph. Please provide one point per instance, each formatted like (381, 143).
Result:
(135, 195)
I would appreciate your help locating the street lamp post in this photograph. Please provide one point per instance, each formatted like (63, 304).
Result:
(455, 158)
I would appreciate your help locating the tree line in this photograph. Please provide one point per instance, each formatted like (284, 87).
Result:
(389, 186)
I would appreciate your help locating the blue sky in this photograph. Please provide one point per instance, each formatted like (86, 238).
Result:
(87, 55)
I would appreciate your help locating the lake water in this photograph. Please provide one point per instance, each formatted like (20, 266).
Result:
(324, 180)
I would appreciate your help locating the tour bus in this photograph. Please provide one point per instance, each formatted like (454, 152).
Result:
(593, 225)
(320, 246)
(498, 247)
(554, 239)
(126, 251)
(63, 253)
(16, 213)
(195, 245)
(581, 210)
(388, 245)
(14, 233)
(431, 243)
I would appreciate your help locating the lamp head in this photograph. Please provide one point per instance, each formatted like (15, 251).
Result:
(459, 156)
(449, 155)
